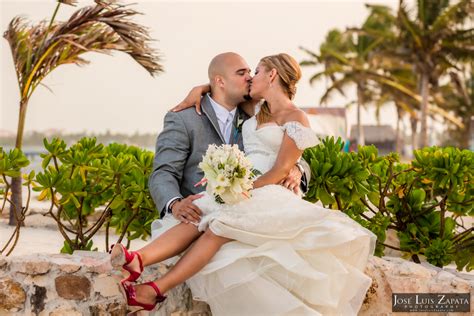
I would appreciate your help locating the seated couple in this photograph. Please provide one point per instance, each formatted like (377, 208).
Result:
(271, 254)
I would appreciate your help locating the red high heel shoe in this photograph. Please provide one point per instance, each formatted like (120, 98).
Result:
(131, 295)
(120, 257)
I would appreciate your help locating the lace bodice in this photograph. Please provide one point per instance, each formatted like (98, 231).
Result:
(262, 145)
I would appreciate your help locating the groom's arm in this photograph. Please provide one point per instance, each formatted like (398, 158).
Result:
(305, 175)
(171, 153)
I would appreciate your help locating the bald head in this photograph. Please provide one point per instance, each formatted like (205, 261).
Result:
(229, 77)
(221, 63)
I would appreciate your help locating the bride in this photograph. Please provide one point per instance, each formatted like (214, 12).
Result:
(272, 254)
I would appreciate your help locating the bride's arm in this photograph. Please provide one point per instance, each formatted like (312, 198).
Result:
(286, 160)
(288, 155)
(193, 98)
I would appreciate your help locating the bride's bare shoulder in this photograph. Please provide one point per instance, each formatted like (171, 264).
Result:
(297, 115)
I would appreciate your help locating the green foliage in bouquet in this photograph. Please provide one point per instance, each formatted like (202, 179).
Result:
(10, 167)
(424, 201)
(108, 182)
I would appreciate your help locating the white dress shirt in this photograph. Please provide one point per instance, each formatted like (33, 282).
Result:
(225, 118)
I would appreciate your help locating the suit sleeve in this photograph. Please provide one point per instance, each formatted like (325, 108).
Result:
(306, 176)
(171, 153)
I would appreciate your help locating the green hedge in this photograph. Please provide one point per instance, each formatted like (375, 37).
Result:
(423, 201)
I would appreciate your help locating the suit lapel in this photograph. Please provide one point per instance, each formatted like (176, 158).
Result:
(211, 115)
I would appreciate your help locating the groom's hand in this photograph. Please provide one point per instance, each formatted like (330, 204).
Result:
(185, 211)
(293, 180)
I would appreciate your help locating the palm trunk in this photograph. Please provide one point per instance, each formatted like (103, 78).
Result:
(360, 129)
(17, 201)
(414, 125)
(398, 145)
(466, 136)
(424, 110)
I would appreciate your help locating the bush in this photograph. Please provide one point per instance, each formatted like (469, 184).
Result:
(10, 167)
(423, 201)
(89, 178)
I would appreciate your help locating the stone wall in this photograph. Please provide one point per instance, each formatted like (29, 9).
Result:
(396, 275)
(83, 284)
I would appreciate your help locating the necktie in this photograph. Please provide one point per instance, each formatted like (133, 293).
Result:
(227, 128)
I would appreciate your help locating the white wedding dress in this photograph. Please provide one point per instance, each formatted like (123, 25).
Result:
(290, 256)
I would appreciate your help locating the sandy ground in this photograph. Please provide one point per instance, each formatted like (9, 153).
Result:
(48, 240)
(40, 233)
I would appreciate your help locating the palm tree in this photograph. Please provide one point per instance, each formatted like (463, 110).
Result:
(434, 40)
(350, 58)
(457, 96)
(39, 49)
(344, 62)
(405, 105)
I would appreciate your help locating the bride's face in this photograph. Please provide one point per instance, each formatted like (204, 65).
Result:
(260, 82)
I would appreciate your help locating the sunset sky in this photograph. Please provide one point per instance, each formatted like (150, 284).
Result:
(114, 93)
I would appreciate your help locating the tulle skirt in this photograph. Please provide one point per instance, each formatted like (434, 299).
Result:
(288, 257)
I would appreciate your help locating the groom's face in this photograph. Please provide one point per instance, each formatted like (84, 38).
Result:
(237, 78)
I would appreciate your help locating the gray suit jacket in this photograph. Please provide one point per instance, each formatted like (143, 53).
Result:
(180, 148)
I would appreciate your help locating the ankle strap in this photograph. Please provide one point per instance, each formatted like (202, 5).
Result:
(159, 297)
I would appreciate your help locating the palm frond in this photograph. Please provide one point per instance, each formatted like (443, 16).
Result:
(102, 28)
(68, 2)
(311, 53)
(337, 85)
(409, 26)
(452, 16)
(407, 108)
(330, 71)
(382, 12)
(446, 115)
(308, 63)
(335, 54)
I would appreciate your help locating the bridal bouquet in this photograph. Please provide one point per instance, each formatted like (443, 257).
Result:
(227, 172)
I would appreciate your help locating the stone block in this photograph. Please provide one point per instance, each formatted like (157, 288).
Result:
(106, 286)
(66, 263)
(108, 309)
(96, 262)
(73, 287)
(33, 265)
(12, 295)
(395, 275)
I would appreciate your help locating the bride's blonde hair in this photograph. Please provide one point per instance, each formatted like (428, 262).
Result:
(289, 73)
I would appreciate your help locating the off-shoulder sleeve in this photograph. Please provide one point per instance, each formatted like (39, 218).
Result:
(303, 136)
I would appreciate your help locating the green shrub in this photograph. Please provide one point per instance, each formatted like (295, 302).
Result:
(423, 201)
(10, 167)
(87, 178)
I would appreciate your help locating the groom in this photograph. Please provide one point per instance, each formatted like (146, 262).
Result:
(187, 135)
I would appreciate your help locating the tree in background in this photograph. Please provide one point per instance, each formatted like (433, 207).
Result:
(351, 58)
(400, 58)
(435, 39)
(39, 49)
(457, 96)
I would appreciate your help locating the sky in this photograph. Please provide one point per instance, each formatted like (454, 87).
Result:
(113, 93)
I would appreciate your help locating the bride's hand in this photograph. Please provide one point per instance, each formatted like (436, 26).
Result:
(193, 98)
(293, 180)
